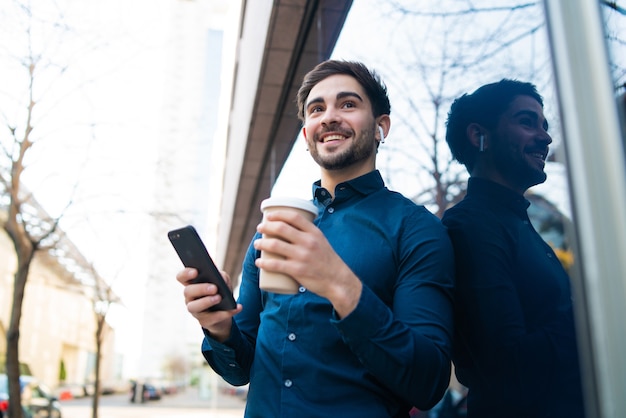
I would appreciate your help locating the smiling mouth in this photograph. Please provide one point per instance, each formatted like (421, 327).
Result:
(332, 138)
(540, 154)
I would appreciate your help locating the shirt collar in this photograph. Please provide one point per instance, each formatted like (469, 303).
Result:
(365, 184)
(497, 193)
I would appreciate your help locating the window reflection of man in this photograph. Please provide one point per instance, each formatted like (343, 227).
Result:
(515, 344)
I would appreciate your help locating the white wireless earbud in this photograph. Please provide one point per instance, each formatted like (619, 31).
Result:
(382, 134)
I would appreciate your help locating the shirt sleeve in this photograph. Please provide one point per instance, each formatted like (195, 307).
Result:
(223, 359)
(233, 358)
(407, 346)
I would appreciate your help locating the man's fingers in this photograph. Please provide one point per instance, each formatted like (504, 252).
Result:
(186, 275)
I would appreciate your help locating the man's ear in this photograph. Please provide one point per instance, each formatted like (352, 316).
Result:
(474, 132)
(304, 132)
(384, 121)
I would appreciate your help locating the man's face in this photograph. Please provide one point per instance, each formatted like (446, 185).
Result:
(339, 126)
(519, 146)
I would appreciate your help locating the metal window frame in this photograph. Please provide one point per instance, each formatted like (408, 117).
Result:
(594, 151)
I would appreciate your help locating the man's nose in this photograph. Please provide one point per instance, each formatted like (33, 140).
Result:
(545, 137)
(331, 116)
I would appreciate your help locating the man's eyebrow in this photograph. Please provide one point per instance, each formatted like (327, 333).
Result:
(532, 114)
(315, 100)
(344, 94)
(340, 95)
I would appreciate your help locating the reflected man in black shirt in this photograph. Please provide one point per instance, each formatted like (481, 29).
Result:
(515, 344)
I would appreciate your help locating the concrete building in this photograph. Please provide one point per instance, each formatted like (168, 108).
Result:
(58, 323)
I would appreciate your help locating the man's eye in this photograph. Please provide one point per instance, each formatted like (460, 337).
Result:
(315, 109)
(349, 104)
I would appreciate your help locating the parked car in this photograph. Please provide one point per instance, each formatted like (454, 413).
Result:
(240, 392)
(151, 392)
(69, 391)
(166, 387)
(37, 400)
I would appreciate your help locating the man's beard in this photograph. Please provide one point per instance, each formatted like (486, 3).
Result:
(361, 149)
(517, 169)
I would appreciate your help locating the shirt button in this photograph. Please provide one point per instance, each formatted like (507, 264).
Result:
(331, 210)
(302, 289)
(292, 337)
(288, 383)
(232, 365)
(549, 255)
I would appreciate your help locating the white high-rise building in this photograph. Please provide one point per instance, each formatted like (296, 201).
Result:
(188, 174)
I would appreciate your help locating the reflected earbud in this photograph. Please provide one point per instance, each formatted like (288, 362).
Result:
(382, 134)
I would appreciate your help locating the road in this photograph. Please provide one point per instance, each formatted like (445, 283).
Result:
(187, 404)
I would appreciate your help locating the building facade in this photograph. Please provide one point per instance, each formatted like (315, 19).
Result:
(58, 324)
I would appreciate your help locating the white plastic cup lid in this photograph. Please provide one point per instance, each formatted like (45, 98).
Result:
(294, 202)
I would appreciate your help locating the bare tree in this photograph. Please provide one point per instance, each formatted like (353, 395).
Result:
(102, 298)
(27, 233)
(614, 14)
(29, 228)
(451, 48)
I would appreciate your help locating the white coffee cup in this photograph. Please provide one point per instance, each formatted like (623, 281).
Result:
(278, 282)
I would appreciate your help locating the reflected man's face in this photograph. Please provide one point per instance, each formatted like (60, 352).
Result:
(519, 146)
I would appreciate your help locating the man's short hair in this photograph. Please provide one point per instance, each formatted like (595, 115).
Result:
(371, 82)
(484, 106)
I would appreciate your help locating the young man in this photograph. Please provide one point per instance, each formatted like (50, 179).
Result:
(369, 333)
(515, 345)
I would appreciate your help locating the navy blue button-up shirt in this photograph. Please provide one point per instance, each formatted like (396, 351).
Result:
(391, 352)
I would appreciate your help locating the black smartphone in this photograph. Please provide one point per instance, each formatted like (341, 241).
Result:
(193, 253)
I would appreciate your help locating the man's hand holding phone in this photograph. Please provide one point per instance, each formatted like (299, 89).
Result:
(201, 297)
(208, 291)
